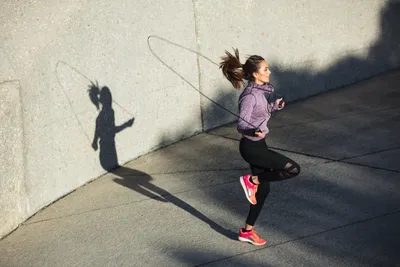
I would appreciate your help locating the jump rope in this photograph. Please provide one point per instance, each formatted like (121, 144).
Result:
(271, 97)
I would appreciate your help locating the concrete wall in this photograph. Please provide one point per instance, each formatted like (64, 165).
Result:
(144, 52)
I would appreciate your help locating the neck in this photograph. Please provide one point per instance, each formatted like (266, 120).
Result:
(259, 82)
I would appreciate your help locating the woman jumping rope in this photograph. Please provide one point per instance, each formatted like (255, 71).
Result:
(254, 112)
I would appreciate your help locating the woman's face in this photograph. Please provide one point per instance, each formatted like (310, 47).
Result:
(263, 73)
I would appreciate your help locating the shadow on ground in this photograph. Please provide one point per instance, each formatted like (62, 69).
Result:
(141, 183)
(134, 179)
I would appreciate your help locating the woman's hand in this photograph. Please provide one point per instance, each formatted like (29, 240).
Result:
(94, 145)
(282, 105)
(260, 134)
(130, 122)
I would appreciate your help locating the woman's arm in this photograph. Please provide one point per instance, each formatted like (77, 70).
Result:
(96, 135)
(123, 126)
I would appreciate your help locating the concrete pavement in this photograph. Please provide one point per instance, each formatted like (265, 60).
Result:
(182, 205)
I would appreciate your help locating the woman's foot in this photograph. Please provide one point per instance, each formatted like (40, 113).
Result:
(249, 188)
(251, 236)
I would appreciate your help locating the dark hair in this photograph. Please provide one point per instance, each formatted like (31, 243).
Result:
(98, 96)
(94, 92)
(235, 72)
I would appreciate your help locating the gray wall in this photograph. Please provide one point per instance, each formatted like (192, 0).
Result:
(144, 52)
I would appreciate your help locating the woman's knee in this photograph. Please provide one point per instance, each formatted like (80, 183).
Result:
(292, 168)
(297, 168)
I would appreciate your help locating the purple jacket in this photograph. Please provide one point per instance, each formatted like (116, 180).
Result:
(254, 109)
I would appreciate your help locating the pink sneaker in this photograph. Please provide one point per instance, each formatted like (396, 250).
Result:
(251, 237)
(249, 188)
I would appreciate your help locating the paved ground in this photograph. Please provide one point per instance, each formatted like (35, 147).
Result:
(183, 205)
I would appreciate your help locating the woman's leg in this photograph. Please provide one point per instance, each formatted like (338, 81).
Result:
(247, 234)
(277, 166)
(261, 195)
(266, 166)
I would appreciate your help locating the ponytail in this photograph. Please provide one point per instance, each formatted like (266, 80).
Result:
(232, 68)
(236, 72)
(94, 94)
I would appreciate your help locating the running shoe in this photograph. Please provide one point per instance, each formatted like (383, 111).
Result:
(249, 188)
(251, 237)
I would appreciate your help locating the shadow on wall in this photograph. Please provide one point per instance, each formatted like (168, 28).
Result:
(106, 129)
(212, 111)
(382, 56)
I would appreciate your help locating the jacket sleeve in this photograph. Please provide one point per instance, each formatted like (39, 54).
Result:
(271, 99)
(273, 106)
(246, 106)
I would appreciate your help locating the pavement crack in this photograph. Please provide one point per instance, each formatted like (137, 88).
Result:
(302, 237)
(371, 153)
(345, 115)
(330, 160)
(369, 166)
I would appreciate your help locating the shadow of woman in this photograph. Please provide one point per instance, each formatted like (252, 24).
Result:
(140, 182)
(105, 127)
(134, 179)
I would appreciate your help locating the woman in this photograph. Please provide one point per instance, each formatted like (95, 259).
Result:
(255, 111)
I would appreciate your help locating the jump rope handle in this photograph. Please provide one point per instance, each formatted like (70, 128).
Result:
(258, 130)
(280, 103)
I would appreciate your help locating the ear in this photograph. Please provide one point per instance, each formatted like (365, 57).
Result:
(255, 75)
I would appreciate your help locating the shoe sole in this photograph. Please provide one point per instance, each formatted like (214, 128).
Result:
(251, 242)
(245, 190)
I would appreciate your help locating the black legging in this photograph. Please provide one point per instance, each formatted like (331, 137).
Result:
(269, 166)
